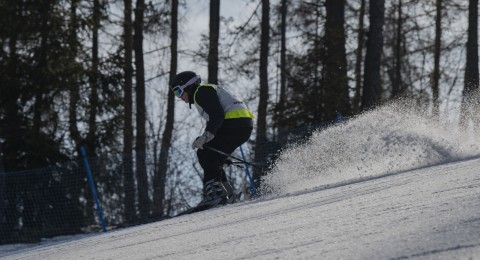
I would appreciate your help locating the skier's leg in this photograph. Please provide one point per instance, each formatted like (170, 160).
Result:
(226, 140)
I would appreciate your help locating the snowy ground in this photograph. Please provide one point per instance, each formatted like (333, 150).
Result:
(409, 189)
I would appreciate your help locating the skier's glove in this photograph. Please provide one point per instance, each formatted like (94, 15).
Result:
(203, 139)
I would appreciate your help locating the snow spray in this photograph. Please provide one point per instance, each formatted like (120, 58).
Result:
(396, 137)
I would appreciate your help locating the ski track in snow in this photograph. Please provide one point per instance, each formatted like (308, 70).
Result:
(390, 184)
(427, 213)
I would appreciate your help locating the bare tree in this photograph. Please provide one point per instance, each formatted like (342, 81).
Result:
(397, 54)
(371, 80)
(471, 81)
(279, 107)
(128, 181)
(94, 81)
(74, 95)
(93, 106)
(3, 196)
(263, 99)
(436, 57)
(140, 146)
(283, 51)
(336, 81)
(359, 58)
(160, 176)
(213, 46)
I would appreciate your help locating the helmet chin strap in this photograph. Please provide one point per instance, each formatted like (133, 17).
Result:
(188, 87)
(189, 93)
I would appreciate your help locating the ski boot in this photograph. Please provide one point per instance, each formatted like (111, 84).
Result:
(218, 193)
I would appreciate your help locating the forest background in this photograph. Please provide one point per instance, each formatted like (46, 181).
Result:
(94, 74)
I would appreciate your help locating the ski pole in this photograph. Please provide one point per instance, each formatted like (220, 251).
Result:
(252, 183)
(231, 156)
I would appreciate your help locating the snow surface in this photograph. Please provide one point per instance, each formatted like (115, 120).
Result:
(390, 184)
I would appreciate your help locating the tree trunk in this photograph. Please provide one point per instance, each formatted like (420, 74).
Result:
(471, 82)
(92, 124)
(263, 101)
(160, 176)
(94, 82)
(397, 79)
(283, 71)
(11, 93)
(359, 58)
(436, 56)
(128, 181)
(41, 87)
(3, 195)
(11, 131)
(371, 80)
(336, 89)
(140, 147)
(213, 47)
(74, 93)
(283, 51)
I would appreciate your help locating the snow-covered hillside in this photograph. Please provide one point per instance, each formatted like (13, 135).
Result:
(389, 184)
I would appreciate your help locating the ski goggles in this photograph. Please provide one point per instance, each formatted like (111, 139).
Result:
(178, 90)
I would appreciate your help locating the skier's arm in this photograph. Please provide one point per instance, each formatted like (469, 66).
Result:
(207, 98)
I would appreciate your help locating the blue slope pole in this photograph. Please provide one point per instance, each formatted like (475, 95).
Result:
(339, 117)
(247, 170)
(92, 186)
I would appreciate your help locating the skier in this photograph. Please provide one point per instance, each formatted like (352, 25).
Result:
(229, 124)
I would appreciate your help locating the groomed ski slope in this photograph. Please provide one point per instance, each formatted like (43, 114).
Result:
(397, 187)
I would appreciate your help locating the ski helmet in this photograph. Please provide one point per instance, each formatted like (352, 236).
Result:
(184, 80)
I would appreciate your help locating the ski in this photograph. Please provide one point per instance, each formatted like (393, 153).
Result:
(203, 207)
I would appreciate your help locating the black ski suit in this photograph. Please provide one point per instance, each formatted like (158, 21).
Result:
(230, 131)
